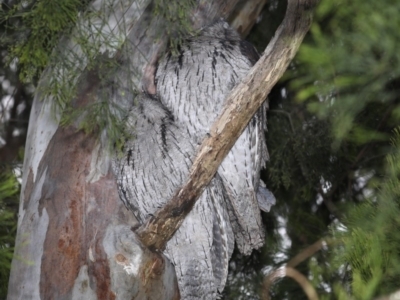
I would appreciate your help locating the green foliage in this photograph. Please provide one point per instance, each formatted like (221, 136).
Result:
(9, 188)
(58, 42)
(48, 43)
(42, 26)
(333, 172)
(366, 246)
(349, 61)
(333, 168)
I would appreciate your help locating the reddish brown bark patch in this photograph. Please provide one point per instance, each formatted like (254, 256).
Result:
(66, 163)
(106, 206)
(79, 213)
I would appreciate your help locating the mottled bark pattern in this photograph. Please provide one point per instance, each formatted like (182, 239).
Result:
(155, 163)
(193, 85)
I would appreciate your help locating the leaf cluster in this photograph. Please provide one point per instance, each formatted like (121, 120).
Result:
(38, 26)
(350, 61)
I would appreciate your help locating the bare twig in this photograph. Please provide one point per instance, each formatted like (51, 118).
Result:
(288, 270)
(306, 253)
(294, 274)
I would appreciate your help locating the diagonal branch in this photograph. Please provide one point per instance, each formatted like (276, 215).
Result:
(242, 103)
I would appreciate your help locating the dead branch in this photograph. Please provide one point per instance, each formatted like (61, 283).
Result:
(295, 275)
(291, 264)
(306, 253)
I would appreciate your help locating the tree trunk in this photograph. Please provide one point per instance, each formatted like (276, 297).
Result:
(74, 238)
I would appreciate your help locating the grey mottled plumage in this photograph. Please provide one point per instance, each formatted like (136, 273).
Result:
(193, 86)
(155, 162)
(165, 134)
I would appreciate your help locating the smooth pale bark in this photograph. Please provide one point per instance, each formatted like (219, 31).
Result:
(74, 238)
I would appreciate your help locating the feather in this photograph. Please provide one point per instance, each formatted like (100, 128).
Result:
(154, 164)
(193, 85)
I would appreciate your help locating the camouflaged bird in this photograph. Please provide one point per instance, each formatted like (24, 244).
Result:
(165, 132)
(193, 85)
